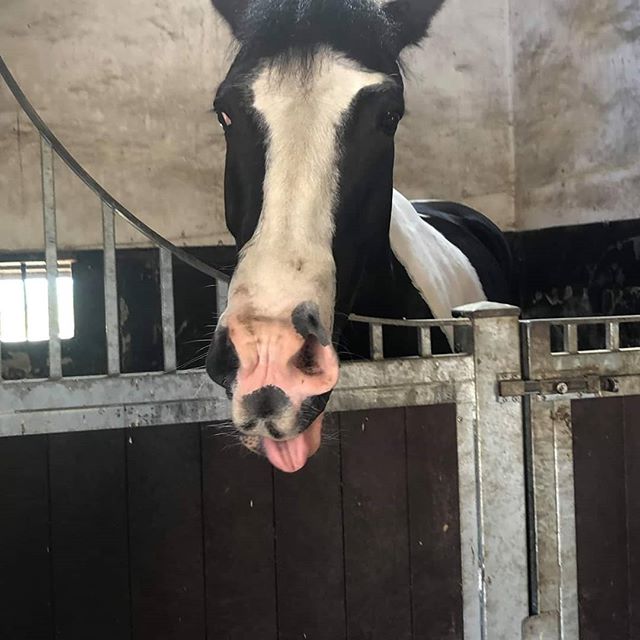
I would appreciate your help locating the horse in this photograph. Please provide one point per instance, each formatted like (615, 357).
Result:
(310, 107)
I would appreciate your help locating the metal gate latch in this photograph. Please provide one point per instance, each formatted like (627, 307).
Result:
(562, 386)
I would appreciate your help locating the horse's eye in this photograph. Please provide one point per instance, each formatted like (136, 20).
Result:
(224, 120)
(389, 122)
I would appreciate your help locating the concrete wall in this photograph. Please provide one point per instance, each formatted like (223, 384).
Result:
(127, 85)
(577, 111)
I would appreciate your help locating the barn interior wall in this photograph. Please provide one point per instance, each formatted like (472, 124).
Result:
(127, 87)
(577, 111)
(529, 115)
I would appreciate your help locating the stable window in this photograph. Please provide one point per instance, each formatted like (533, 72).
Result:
(24, 301)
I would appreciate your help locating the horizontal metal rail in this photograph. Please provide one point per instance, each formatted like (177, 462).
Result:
(583, 320)
(31, 407)
(414, 323)
(64, 154)
(423, 327)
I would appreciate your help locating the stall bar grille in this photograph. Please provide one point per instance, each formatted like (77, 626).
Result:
(50, 147)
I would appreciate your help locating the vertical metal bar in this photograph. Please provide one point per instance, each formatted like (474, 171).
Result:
(168, 311)
(613, 336)
(498, 463)
(51, 256)
(471, 542)
(554, 513)
(571, 338)
(111, 322)
(222, 296)
(376, 342)
(25, 306)
(424, 342)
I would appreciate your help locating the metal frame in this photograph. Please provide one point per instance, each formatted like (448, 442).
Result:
(551, 381)
(492, 518)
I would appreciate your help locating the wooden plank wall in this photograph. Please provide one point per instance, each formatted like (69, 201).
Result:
(178, 533)
(606, 441)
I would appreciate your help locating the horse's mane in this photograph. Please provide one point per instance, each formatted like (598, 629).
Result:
(297, 29)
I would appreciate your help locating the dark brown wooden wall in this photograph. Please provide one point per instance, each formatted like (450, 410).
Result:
(178, 533)
(606, 441)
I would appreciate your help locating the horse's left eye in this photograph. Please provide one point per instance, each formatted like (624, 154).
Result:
(390, 121)
(224, 120)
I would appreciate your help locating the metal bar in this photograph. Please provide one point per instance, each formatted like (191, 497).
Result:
(168, 311)
(25, 308)
(583, 320)
(111, 321)
(376, 342)
(498, 460)
(424, 342)
(611, 363)
(613, 336)
(222, 296)
(101, 402)
(51, 256)
(392, 322)
(384, 376)
(72, 404)
(555, 578)
(571, 338)
(98, 189)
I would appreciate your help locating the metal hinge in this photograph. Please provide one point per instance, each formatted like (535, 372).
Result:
(590, 385)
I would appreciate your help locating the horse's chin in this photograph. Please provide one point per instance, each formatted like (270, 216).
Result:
(290, 455)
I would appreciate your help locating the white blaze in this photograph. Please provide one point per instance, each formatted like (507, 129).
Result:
(289, 258)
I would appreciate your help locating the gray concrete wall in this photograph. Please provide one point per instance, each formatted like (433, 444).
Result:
(127, 85)
(577, 111)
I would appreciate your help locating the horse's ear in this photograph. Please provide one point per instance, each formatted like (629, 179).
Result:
(412, 19)
(232, 11)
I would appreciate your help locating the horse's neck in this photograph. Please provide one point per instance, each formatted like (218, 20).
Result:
(386, 290)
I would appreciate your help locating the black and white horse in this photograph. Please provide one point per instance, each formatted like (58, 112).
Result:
(310, 107)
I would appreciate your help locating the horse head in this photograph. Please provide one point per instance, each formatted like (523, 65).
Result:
(309, 107)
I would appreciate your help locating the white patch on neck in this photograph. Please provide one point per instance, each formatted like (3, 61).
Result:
(442, 274)
(301, 117)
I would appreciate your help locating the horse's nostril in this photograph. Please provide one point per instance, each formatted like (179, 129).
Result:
(307, 358)
(306, 321)
(222, 360)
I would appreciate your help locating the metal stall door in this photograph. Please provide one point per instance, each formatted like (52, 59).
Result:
(408, 524)
(584, 459)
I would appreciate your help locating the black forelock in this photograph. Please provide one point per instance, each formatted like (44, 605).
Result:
(297, 29)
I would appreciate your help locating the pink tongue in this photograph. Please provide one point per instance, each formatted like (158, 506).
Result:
(292, 455)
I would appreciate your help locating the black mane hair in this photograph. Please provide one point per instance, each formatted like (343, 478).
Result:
(296, 29)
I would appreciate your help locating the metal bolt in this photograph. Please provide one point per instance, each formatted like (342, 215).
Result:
(562, 388)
